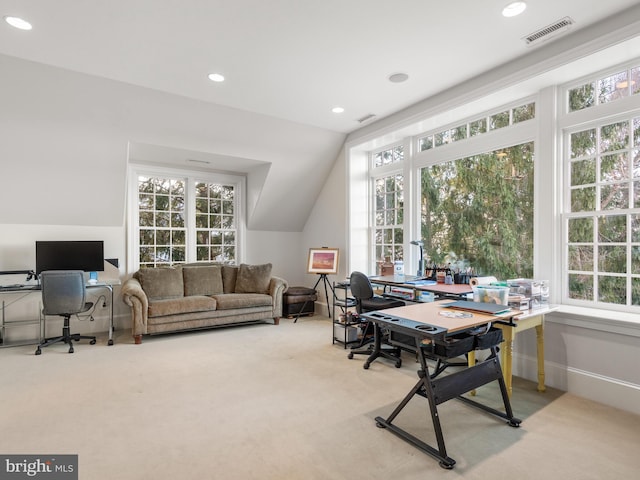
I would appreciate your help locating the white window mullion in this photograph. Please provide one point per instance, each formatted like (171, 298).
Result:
(189, 200)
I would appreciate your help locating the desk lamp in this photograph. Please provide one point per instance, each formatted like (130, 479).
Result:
(420, 243)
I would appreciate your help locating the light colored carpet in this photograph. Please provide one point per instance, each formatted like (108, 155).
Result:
(282, 402)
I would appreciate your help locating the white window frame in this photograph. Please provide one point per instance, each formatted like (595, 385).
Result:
(376, 173)
(513, 134)
(191, 177)
(414, 160)
(579, 120)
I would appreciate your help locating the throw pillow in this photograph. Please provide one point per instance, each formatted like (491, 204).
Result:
(202, 280)
(161, 282)
(253, 278)
(229, 276)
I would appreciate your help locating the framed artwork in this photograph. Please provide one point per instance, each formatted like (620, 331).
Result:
(323, 260)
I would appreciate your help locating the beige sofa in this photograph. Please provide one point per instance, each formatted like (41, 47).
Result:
(202, 295)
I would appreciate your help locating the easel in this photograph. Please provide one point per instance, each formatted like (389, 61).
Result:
(322, 278)
(322, 261)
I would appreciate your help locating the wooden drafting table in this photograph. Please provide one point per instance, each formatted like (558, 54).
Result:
(510, 326)
(449, 333)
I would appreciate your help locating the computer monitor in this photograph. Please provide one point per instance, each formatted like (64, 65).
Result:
(86, 255)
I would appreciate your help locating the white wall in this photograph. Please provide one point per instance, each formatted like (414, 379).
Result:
(278, 248)
(64, 145)
(65, 135)
(327, 227)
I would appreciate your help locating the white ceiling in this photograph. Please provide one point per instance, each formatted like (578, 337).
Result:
(289, 59)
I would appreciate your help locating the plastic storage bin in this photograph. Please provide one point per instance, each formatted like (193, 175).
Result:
(491, 294)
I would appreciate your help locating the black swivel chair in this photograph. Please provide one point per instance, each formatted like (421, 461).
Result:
(63, 293)
(367, 301)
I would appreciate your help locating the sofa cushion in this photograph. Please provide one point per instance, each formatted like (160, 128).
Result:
(205, 280)
(161, 282)
(174, 306)
(253, 278)
(229, 276)
(230, 301)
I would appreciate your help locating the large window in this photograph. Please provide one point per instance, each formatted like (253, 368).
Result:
(477, 212)
(603, 213)
(389, 215)
(468, 192)
(601, 208)
(473, 211)
(215, 222)
(161, 221)
(182, 219)
(388, 210)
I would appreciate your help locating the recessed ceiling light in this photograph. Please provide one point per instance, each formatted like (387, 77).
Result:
(18, 22)
(513, 9)
(398, 77)
(337, 110)
(216, 77)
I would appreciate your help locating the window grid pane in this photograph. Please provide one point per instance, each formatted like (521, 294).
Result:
(388, 156)
(163, 221)
(477, 127)
(603, 241)
(215, 223)
(604, 90)
(161, 229)
(389, 215)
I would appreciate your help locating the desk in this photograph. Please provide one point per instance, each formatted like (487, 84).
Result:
(533, 318)
(32, 288)
(427, 321)
(529, 319)
(441, 290)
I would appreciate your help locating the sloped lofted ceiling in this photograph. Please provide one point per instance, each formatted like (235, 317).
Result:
(290, 59)
(286, 64)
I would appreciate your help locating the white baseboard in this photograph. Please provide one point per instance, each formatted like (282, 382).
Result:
(606, 390)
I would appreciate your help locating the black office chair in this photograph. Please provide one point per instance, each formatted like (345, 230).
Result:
(367, 301)
(63, 293)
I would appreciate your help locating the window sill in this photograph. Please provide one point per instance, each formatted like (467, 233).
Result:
(622, 323)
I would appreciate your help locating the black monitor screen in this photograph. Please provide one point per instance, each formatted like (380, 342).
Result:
(87, 255)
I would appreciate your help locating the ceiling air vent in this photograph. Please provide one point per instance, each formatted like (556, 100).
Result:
(367, 118)
(549, 31)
